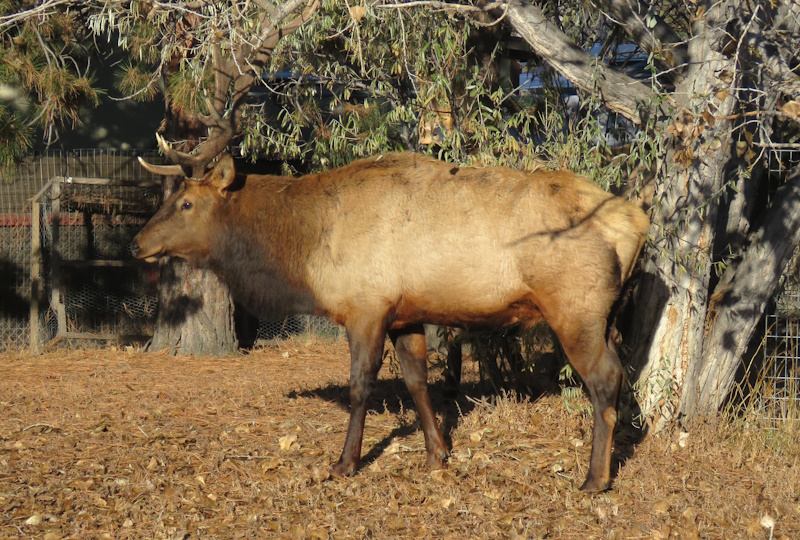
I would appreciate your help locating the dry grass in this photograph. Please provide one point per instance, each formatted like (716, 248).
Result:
(123, 444)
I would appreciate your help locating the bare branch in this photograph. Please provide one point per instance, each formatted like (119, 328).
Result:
(39, 10)
(444, 5)
(778, 67)
(269, 37)
(619, 92)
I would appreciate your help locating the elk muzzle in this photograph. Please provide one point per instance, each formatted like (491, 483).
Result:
(136, 251)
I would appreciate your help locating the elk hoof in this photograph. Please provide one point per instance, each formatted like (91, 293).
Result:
(437, 460)
(435, 463)
(344, 469)
(594, 486)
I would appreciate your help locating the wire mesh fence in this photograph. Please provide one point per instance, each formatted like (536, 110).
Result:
(298, 325)
(96, 290)
(782, 348)
(16, 192)
(83, 281)
(781, 367)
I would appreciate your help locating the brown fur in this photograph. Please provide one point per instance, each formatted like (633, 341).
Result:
(390, 242)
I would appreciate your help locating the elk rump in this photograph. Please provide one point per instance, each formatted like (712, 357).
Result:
(388, 243)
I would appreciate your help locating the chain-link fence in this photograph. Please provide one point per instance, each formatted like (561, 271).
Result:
(269, 331)
(95, 290)
(16, 194)
(66, 221)
(67, 217)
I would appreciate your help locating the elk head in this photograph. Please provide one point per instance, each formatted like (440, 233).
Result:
(184, 225)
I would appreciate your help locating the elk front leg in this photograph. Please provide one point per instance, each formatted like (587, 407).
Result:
(412, 355)
(366, 353)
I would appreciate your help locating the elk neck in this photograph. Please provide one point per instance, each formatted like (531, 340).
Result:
(260, 244)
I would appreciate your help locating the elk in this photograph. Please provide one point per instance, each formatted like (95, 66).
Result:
(390, 242)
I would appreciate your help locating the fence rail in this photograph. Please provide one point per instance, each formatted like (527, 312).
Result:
(781, 360)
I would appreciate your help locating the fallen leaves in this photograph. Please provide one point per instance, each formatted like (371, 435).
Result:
(288, 443)
(246, 452)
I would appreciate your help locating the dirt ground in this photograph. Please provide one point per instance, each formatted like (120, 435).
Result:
(125, 444)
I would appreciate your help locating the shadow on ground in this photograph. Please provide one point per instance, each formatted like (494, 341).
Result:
(392, 396)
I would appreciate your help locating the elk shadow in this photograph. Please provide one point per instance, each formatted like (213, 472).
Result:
(392, 396)
(637, 327)
(629, 433)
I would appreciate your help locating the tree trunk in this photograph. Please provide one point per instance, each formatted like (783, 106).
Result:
(742, 295)
(195, 312)
(195, 309)
(673, 294)
(668, 344)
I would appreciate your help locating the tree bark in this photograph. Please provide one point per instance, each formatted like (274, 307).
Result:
(679, 262)
(195, 312)
(742, 295)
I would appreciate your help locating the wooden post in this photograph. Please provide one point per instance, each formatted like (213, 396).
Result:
(57, 279)
(36, 275)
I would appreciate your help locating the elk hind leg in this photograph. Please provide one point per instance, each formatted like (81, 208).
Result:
(598, 365)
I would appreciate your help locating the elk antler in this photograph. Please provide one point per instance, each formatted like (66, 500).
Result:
(187, 164)
(221, 128)
(235, 68)
(163, 170)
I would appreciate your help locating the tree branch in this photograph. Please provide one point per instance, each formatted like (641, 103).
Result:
(442, 5)
(671, 51)
(41, 9)
(235, 71)
(778, 66)
(620, 93)
(271, 34)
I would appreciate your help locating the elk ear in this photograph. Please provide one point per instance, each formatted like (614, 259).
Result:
(223, 173)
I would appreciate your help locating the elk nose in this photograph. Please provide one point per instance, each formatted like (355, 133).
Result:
(134, 247)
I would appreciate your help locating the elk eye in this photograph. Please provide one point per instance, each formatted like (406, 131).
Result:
(187, 205)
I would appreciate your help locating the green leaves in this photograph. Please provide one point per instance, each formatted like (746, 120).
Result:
(43, 59)
(16, 139)
(136, 80)
(185, 90)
